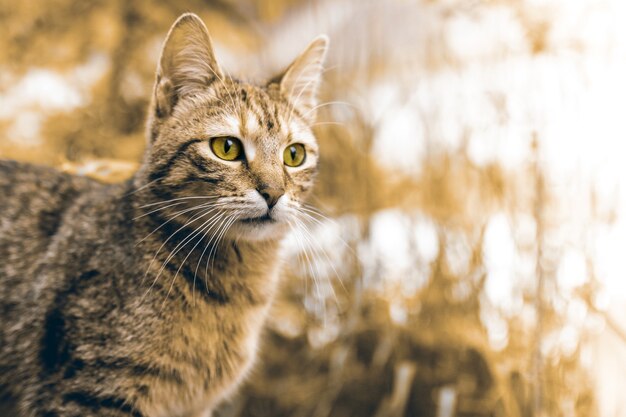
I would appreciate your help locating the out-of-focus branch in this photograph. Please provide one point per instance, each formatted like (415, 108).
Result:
(395, 404)
(538, 214)
(610, 321)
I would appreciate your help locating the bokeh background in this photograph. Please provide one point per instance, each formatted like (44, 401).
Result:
(467, 256)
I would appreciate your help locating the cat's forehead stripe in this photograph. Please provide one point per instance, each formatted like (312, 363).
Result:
(267, 112)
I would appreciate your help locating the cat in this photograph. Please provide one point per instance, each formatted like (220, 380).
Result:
(148, 297)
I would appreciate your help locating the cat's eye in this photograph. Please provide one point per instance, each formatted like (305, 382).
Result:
(294, 155)
(227, 148)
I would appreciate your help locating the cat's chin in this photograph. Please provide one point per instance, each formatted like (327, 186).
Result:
(255, 231)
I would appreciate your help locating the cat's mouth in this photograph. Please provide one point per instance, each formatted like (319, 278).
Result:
(264, 219)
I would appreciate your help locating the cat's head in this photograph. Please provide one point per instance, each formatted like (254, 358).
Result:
(243, 154)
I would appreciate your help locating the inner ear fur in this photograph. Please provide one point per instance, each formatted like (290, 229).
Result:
(300, 82)
(187, 64)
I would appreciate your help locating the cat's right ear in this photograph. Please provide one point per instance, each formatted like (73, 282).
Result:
(187, 64)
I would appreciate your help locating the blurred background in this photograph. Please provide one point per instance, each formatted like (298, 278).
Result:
(466, 256)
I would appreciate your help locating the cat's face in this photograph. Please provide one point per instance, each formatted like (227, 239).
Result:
(241, 159)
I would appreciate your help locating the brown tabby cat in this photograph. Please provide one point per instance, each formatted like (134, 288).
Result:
(147, 298)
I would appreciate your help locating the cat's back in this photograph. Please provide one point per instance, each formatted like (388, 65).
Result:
(34, 198)
(33, 201)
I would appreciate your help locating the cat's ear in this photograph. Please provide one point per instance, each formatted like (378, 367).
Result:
(187, 63)
(300, 82)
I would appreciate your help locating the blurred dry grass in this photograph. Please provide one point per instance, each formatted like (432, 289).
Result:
(355, 342)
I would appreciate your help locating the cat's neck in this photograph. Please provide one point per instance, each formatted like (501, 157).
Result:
(182, 249)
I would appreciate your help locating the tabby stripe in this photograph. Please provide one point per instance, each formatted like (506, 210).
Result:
(277, 119)
(266, 115)
(237, 252)
(198, 284)
(164, 169)
(95, 402)
(257, 108)
(55, 349)
(50, 221)
(201, 164)
(110, 363)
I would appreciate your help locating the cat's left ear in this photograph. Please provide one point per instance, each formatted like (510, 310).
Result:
(187, 63)
(300, 82)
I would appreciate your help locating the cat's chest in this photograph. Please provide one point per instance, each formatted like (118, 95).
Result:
(209, 356)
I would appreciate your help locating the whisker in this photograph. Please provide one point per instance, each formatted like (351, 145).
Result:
(158, 209)
(302, 90)
(328, 103)
(314, 273)
(195, 273)
(143, 187)
(192, 220)
(180, 213)
(180, 199)
(323, 251)
(306, 210)
(178, 248)
(227, 226)
(301, 259)
(328, 123)
(233, 109)
(213, 241)
(200, 230)
(309, 237)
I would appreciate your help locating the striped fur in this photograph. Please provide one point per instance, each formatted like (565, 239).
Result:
(148, 298)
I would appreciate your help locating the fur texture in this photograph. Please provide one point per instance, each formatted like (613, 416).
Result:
(147, 298)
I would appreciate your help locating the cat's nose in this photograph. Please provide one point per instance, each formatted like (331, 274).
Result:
(271, 195)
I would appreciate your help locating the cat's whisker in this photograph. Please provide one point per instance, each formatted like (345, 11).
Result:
(330, 262)
(314, 273)
(310, 83)
(233, 109)
(328, 103)
(227, 109)
(307, 212)
(180, 199)
(158, 209)
(202, 229)
(190, 221)
(180, 213)
(327, 123)
(348, 247)
(301, 253)
(143, 187)
(228, 224)
(313, 242)
(195, 273)
(206, 204)
(329, 68)
(178, 248)
(173, 217)
(213, 242)
(301, 259)
(302, 90)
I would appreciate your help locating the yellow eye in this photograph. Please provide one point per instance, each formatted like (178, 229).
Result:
(227, 148)
(294, 155)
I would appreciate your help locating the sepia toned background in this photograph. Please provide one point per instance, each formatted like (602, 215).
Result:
(469, 253)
